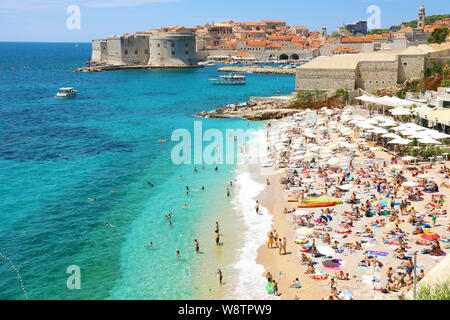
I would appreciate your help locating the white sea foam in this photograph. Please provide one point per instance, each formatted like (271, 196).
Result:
(250, 281)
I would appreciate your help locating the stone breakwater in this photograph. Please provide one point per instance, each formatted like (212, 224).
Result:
(100, 68)
(269, 70)
(256, 108)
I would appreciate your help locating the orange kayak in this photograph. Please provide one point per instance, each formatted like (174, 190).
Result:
(316, 204)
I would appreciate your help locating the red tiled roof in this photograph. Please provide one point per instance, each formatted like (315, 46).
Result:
(355, 39)
(257, 43)
(274, 45)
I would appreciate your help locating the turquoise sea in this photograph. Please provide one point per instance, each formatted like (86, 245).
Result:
(56, 155)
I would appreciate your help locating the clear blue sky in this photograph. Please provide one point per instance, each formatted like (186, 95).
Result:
(45, 20)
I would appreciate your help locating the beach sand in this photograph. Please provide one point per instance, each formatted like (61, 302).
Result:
(285, 268)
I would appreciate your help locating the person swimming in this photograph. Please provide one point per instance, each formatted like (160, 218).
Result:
(150, 244)
(185, 206)
(178, 252)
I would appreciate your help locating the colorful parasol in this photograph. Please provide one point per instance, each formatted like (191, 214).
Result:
(379, 203)
(429, 235)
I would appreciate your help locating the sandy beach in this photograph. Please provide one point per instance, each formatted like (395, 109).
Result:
(364, 282)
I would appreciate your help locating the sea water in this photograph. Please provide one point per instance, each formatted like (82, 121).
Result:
(57, 155)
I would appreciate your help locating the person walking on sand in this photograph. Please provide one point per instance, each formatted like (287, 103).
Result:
(269, 277)
(333, 286)
(284, 245)
(280, 246)
(217, 227)
(217, 239)
(220, 276)
(270, 242)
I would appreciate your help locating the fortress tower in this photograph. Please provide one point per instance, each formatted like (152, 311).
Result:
(421, 19)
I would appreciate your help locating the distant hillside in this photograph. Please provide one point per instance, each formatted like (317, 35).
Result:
(428, 20)
(412, 24)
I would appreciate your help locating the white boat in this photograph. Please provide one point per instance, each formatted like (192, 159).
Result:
(66, 93)
(229, 79)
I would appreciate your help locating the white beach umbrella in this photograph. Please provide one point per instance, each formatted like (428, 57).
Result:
(428, 140)
(425, 176)
(436, 134)
(391, 136)
(400, 141)
(408, 132)
(308, 180)
(410, 184)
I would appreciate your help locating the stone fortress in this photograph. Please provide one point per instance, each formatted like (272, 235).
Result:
(153, 48)
(373, 70)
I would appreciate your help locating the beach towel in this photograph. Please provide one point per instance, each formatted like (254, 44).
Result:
(377, 253)
(367, 269)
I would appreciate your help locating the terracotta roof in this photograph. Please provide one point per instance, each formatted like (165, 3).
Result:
(274, 45)
(355, 39)
(299, 45)
(298, 39)
(257, 43)
(277, 21)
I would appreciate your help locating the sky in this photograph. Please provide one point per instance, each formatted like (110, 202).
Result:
(59, 21)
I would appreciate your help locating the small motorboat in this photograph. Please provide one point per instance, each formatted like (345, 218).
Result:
(231, 79)
(66, 93)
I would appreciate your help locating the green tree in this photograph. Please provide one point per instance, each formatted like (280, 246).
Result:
(439, 35)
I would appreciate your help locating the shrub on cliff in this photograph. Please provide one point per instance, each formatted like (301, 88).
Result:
(440, 291)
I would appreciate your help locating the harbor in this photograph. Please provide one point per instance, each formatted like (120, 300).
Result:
(257, 69)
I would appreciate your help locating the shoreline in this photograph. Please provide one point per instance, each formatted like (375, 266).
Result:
(284, 268)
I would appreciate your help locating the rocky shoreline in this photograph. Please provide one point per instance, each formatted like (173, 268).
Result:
(256, 108)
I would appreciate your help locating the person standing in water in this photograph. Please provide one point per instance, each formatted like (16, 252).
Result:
(257, 206)
(197, 246)
(217, 239)
(228, 192)
(178, 252)
(220, 276)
